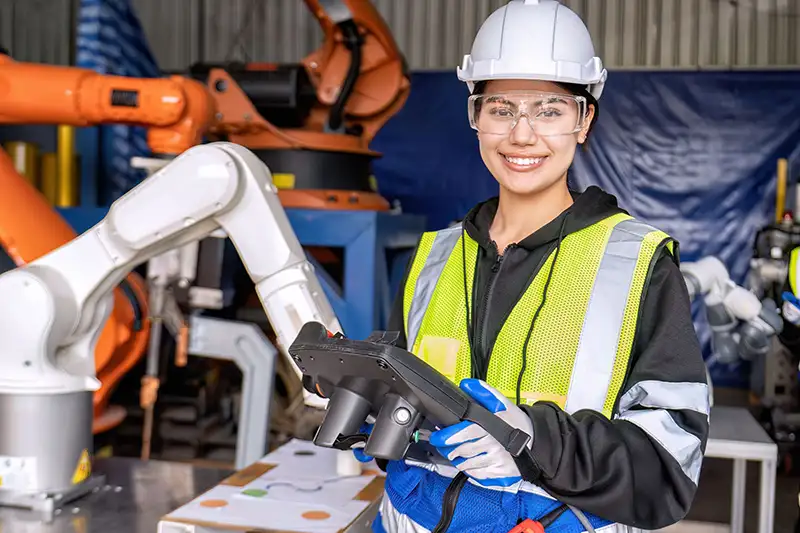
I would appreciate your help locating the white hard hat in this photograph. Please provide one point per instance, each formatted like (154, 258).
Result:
(534, 40)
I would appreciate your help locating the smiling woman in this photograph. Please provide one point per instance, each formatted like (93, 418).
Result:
(543, 143)
(554, 309)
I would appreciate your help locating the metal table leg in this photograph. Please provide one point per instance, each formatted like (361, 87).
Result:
(766, 511)
(737, 500)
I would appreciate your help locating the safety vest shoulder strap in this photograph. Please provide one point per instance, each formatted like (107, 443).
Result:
(433, 251)
(609, 324)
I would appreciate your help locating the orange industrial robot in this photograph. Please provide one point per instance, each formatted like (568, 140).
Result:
(312, 123)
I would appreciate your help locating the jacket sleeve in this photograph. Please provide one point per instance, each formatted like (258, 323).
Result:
(641, 467)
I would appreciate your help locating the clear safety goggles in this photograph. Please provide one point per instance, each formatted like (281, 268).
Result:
(548, 114)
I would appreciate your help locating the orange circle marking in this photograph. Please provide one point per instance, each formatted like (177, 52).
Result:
(214, 503)
(316, 515)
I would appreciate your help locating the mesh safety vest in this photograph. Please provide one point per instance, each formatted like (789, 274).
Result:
(794, 271)
(578, 352)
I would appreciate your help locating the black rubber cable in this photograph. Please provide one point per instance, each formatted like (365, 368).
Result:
(449, 501)
(353, 42)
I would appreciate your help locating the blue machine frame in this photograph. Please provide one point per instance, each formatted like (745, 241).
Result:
(377, 246)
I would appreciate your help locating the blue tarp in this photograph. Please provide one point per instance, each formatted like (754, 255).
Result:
(111, 41)
(693, 153)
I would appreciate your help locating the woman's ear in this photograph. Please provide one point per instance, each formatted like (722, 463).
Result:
(586, 125)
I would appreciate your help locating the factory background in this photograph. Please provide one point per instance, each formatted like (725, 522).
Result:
(672, 64)
(690, 77)
(700, 112)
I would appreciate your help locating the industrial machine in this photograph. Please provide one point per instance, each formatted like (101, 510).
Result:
(56, 305)
(311, 123)
(774, 379)
(748, 325)
(177, 110)
(742, 325)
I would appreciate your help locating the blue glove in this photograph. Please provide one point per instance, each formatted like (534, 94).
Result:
(359, 452)
(472, 450)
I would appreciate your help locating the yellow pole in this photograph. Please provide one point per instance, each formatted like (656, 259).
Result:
(780, 194)
(49, 177)
(67, 194)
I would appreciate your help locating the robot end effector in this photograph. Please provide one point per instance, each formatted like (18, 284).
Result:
(57, 305)
(742, 325)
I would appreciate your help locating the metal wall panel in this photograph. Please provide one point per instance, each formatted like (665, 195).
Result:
(694, 33)
(257, 30)
(434, 34)
(174, 30)
(38, 30)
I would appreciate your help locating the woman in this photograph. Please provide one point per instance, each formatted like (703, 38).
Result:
(555, 310)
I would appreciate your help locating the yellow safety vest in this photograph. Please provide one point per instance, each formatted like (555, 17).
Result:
(794, 273)
(579, 348)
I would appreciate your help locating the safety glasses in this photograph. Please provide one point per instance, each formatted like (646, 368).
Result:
(548, 114)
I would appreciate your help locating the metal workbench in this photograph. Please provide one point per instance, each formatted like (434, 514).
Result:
(735, 434)
(135, 496)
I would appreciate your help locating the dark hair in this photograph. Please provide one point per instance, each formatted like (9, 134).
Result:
(573, 88)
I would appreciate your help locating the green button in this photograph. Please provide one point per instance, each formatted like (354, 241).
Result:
(256, 493)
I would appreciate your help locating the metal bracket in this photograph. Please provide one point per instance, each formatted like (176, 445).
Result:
(246, 345)
(49, 503)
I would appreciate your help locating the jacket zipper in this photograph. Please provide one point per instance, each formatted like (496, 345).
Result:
(530, 280)
(496, 267)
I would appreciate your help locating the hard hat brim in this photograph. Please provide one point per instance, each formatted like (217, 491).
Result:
(594, 85)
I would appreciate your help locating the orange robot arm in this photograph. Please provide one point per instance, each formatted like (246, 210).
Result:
(177, 110)
(359, 70)
(359, 78)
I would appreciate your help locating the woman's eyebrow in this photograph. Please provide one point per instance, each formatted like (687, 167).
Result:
(501, 100)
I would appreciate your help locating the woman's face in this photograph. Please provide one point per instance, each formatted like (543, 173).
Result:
(523, 161)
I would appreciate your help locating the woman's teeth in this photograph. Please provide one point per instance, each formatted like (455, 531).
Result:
(524, 161)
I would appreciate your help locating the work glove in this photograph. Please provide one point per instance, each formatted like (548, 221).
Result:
(359, 452)
(791, 308)
(472, 450)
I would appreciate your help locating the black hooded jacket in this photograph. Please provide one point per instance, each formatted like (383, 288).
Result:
(610, 468)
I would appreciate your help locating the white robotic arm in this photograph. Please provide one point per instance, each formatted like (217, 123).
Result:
(741, 324)
(53, 308)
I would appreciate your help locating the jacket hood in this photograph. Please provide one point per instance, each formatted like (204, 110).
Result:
(588, 207)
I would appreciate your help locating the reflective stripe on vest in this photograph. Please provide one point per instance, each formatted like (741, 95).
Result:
(437, 250)
(578, 351)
